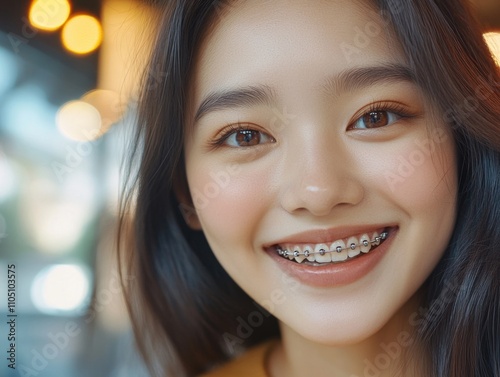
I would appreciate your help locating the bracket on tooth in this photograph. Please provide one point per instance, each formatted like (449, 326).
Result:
(285, 253)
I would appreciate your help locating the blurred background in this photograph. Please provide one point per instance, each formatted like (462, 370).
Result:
(68, 85)
(68, 76)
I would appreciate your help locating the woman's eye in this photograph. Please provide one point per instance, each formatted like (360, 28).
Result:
(247, 138)
(375, 119)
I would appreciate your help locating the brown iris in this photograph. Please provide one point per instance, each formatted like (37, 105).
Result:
(247, 138)
(375, 119)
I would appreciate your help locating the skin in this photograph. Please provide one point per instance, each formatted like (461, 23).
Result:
(313, 170)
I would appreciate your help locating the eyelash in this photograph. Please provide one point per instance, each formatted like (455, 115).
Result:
(391, 107)
(228, 130)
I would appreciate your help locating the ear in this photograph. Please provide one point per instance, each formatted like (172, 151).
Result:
(181, 192)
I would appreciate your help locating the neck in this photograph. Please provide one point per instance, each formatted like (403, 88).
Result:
(384, 354)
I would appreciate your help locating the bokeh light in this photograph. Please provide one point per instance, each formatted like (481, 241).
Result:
(493, 41)
(79, 120)
(55, 215)
(82, 34)
(49, 15)
(62, 288)
(108, 103)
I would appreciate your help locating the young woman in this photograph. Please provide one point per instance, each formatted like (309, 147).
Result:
(317, 191)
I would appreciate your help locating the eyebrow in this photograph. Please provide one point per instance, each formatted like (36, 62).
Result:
(362, 77)
(227, 99)
(348, 80)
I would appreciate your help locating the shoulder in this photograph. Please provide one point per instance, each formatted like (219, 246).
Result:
(250, 364)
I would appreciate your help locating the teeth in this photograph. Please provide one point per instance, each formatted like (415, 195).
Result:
(365, 243)
(321, 253)
(308, 252)
(353, 247)
(337, 252)
(300, 257)
(337, 257)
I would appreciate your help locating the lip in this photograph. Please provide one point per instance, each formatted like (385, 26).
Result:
(332, 274)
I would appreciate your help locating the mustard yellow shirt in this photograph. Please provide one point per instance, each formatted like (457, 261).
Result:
(252, 363)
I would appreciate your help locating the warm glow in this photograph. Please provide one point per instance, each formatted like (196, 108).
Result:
(493, 41)
(49, 14)
(82, 34)
(129, 27)
(79, 120)
(107, 102)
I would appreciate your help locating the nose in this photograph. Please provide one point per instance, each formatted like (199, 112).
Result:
(323, 176)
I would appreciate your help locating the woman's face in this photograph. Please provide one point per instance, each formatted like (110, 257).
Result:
(306, 132)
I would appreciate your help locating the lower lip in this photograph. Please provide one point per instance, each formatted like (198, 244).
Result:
(335, 274)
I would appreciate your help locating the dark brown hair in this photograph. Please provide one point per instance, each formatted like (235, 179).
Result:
(183, 304)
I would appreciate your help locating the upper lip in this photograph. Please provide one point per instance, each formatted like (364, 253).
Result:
(318, 236)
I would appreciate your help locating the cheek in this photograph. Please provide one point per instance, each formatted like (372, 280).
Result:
(427, 181)
(229, 201)
(416, 179)
(417, 173)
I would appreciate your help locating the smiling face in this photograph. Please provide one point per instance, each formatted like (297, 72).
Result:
(306, 132)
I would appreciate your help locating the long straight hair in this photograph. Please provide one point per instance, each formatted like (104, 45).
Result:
(186, 310)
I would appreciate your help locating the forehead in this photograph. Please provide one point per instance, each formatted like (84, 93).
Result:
(280, 42)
